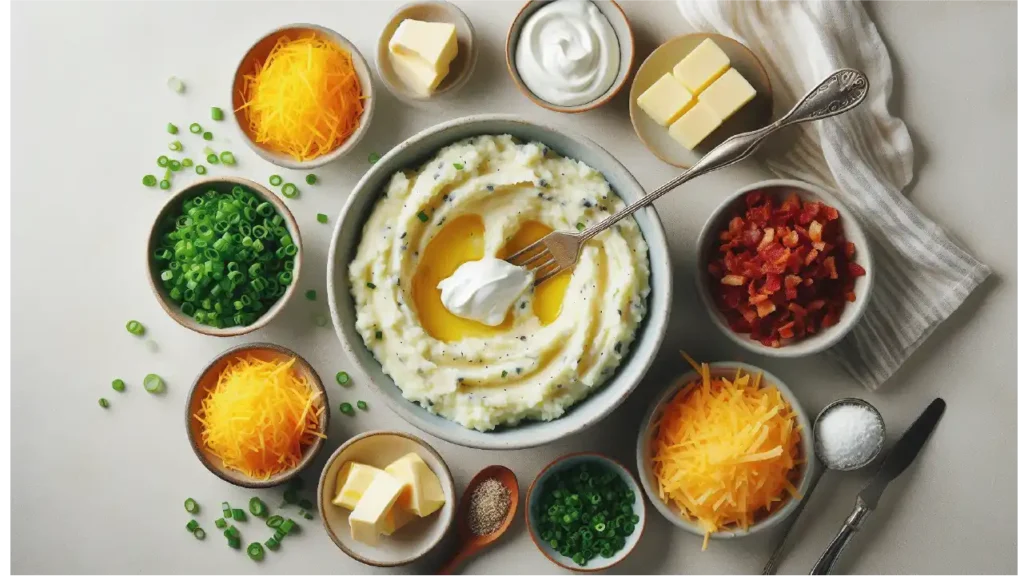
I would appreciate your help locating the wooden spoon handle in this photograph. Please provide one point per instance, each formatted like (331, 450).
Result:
(461, 556)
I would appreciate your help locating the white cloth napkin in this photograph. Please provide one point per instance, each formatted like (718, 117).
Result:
(866, 158)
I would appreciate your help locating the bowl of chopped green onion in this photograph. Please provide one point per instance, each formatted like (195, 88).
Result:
(585, 512)
(224, 256)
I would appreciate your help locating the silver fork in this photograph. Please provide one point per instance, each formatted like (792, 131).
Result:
(842, 91)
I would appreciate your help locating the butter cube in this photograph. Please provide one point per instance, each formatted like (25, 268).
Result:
(369, 519)
(421, 53)
(396, 518)
(702, 66)
(665, 100)
(695, 125)
(421, 490)
(728, 94)
(353, 480)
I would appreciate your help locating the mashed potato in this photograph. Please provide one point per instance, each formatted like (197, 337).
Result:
(491, 195)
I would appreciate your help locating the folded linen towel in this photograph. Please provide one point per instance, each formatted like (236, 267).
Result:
(866, 158)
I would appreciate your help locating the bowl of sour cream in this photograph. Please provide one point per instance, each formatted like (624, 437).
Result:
(570, 55)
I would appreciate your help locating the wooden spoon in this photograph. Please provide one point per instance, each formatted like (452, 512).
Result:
(473, 543)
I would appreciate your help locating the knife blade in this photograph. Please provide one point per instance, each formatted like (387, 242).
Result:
(903, 453)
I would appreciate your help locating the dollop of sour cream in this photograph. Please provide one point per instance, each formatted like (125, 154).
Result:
(484, 290)
(568, 53)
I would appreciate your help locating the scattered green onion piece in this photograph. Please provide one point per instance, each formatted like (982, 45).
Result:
(192, 525)
(305, 504)
(343, 378)
(104, 403)
(149, 180)
(200, 169)
(191, 506)
(118, 385)
(234, 542)
(257, 507)
(347, 409)
(176, 84)
(195, 128)
(272, 544)
(279, 535)
(275, 180)
(153, 384)
(458, 166)
(227, 158)
(232, 532)
(174, 146)
(238, 515)
(199, 533)
(274, 521)
(187, 162)
(135, 327)
(290, 190)
(310, 179)
(162, 161)
(374, 157)
(580, 226)
(171, 128)
(321, 218)
(212, 159)
(371, 285)
(216, 113)
(287, 525)
(226, 507)
(307, 515)
(207, 135)
(165, 185)
(422, 216)
(310, 294)
(379, 335)
(220, 523)
(174, 165)
(362, 405)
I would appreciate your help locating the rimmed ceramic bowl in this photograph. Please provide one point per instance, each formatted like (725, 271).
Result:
(413, 152)
(207, 380)
(412, 541)
(258, 53)
(627, 52)
(460, 69)
(649, 430)
(173, 205)
(707, 244)
(533, 511)
(753, 115)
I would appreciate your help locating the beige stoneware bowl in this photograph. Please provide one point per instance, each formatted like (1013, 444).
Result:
(207, 380)
(412, 541)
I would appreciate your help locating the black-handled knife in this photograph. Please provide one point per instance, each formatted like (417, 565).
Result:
(898, 459)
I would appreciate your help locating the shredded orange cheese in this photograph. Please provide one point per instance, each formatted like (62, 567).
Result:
(726, 451)
(259, 416)
(305, 99)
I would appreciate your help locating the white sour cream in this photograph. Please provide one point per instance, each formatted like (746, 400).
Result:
(484, 290)
(568, 53)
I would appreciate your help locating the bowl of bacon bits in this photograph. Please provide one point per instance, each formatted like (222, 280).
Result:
(785, 269)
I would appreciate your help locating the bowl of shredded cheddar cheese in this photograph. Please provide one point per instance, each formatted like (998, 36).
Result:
(302, 96)
(257, 415)
(726, 451)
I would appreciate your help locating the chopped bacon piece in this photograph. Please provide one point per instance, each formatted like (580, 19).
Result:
(814, 231)
(856, 270)
(733, 280)
(791, 239)
(767, 239)
(830, 266)
(765, 308)
(791, 284)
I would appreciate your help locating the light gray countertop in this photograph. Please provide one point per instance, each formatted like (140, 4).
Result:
(102, 491)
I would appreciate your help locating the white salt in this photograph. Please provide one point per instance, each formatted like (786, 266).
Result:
(848, 435)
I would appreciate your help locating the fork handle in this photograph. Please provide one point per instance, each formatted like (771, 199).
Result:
(842, 91)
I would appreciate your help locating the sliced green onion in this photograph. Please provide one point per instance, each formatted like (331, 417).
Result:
(379, 335)
(175, 84)
(321, 218)
(257, 507)
(422, 216)
(343, 378)
(192, 525)
(207, 135)
(150, 180)
(135, 327)
(290, 190)
(238, 515)
(226, 507)
(255, 551)
(104, 403)
(165, 185)
(187, 162)
(200, 169)
(171, 128)
(347, 409)
(362, 405)
(199, 533)
(216, 113)
(174, 146)
(275, 180)
(272, 544)
(234, 542)
(580, 226)
(374, 157)
(191, 506)
(287, 525)
(220, 523)
(274, 521)
(174, 165)
(371, 285)
(212, 159)
(118, 385)
(153, 384)
(307, 515)
(310, 179)
(162, 161)
(227, 158)
(232, 532)
(458, 166)
(195, 128)
(310, 294)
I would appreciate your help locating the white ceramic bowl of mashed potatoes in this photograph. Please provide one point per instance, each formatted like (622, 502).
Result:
(569, 351)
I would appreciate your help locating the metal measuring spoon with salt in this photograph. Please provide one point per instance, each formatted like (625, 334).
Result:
(848, 435)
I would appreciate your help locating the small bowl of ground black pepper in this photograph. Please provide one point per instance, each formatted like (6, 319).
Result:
(585, 512)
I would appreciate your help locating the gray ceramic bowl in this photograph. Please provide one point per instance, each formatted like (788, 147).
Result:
(648, 430)
(627, 52)
(411, 153)
(812, 344)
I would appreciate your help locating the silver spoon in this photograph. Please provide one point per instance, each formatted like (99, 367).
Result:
(773, 563)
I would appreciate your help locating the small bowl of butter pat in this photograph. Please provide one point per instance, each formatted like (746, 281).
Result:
(570, 55)
(426, 51)
(386, 498)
